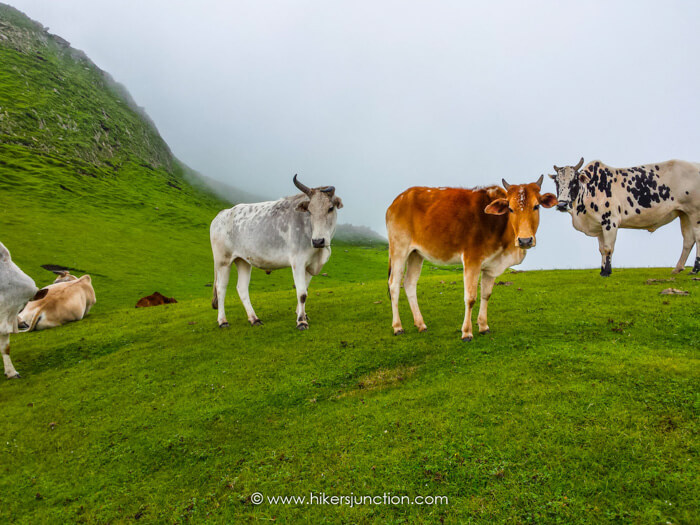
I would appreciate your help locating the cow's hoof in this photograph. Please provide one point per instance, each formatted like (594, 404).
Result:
(302, 326)
(223, 325)
(694, 271)
(603, 273)
(467, 338)
(487, 331)
(678, 270)
(422, 329)
(400, 331)
(256, 322)
(13, 376)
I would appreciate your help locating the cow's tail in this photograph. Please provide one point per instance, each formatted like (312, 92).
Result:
(35, 321)
(388, 278)
(215, 297)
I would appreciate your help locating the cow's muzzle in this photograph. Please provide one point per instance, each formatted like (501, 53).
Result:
(563, 206)
(526, 242)
(318, 243)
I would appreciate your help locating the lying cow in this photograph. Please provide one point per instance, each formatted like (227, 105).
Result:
(155, 299)
(16, 288)
(486, 229)
(65, 301)
(291, 232)
(602, 199)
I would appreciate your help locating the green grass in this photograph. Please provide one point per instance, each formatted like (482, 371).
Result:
(581, 407)
(554, 417)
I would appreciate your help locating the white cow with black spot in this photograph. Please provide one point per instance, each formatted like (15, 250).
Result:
(291, 232)
(602, 199)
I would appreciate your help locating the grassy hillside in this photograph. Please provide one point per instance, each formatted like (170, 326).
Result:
(85, 179)
(581, 406)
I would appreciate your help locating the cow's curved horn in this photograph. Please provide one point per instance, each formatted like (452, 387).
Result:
(505, 184)
(329, 189)
(540, 181)
(303, 188)
(578, 166)
(556, 168)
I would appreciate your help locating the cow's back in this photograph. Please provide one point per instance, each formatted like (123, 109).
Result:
(443, 223)
(265, 233)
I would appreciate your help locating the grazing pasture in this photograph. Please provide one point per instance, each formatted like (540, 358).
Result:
(580, 406)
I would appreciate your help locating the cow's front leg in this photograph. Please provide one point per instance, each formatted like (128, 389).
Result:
(606, 245)
(301, 283)
(688, 242)
(471, 283)
(10, 371)
(487, 281)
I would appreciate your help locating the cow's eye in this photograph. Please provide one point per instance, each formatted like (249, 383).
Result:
(330, 209)
(510, 209)
(537, 206)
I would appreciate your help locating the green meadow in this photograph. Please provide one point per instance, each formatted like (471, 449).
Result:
(581, 406)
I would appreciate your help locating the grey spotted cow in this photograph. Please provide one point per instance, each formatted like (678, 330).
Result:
(291, 232)
(602, 199)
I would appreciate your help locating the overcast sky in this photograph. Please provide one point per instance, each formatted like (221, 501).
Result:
(377, 96)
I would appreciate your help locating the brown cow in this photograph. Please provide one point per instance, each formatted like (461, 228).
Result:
(486, 229)
(65, 301)
(155, 299)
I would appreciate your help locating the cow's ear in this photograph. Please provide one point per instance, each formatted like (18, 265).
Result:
(582, 177)
(548, 200)
(497, 207)
(40, 294)
(337, 202)
(303, 206)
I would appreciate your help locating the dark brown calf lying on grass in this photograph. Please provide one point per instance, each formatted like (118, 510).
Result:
(155, 299)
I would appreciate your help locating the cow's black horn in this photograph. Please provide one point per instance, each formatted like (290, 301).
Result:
(303, 188)
(505, 184)
(578, 166)
(329, 189)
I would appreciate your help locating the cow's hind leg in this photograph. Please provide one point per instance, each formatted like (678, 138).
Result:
(222, 271)
(410, 284)
(606, 245)
(471, 283)
(301, 283)
(244, 270)
(397, 264)
(10, 371)
(688, 242)
(695, 222)
(487, 281)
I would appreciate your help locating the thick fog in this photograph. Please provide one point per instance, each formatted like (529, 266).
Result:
(377, 96)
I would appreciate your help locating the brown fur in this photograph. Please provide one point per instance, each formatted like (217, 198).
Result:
(155, 299)
(480, 228)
